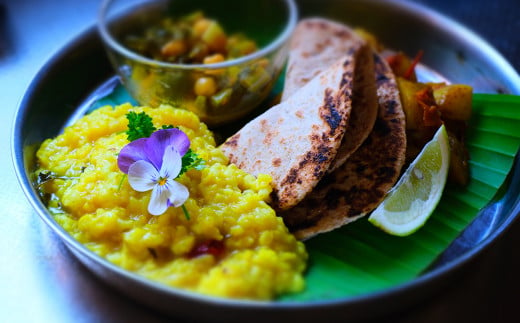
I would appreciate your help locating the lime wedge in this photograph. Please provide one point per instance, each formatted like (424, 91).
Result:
(414, 197)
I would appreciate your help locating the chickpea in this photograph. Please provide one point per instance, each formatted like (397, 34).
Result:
(205, 86)
(200, 26)
(215, 37)
(174, 48)
(212, 59)
(215, 58)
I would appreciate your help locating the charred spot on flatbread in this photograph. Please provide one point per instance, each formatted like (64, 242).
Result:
(361, 183)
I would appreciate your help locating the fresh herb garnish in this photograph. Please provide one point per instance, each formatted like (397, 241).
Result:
(47, 176)
(139, 125)
(185, 211)
(191, 160)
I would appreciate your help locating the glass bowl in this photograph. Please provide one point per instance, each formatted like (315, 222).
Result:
(218, 92)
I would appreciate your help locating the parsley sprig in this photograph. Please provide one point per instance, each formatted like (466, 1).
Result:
(140, 125)
(191, 160)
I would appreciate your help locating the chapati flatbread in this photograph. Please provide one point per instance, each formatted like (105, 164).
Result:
(316, 43)
(362, 182)
(296, 141)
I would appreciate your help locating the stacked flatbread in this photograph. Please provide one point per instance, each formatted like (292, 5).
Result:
(336, 143)
(315, 45)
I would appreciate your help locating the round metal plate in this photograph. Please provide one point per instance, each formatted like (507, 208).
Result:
(75, 72)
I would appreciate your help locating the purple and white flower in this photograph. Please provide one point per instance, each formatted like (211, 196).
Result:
(154, 163)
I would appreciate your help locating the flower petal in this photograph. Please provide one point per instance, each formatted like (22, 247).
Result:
(159, 201)
(178, 193)
(142, 176)
(174, 137)
(131, 153)
(163, 138)
(171, 163)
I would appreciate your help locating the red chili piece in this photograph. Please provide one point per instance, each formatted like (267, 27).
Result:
(211, 247)
(414, 63)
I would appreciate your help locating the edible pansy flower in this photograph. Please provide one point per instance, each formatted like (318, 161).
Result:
(154, 163)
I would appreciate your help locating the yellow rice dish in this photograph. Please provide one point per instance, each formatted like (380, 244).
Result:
(256, 257)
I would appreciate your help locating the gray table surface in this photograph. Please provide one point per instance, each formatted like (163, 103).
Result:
(40, 281)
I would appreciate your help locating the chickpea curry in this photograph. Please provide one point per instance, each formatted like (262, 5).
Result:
(211, 93)
(191, 39)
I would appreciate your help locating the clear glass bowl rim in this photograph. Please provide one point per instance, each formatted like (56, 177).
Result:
(110, 41)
